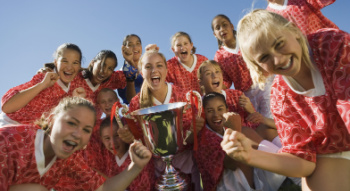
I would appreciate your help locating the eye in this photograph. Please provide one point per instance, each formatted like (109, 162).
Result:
(71, 123)
(280, 44)
(263, 58)
(207, 73)
(87, 130)
(160, 65)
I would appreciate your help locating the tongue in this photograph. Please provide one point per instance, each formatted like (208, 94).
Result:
(67, 147)
(156, 81)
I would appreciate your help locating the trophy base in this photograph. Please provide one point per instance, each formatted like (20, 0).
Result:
(172, 179)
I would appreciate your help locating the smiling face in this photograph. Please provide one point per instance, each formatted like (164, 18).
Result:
(280, 55)
(182, 48)
(223, 30)
(105, 100)
(71, 130)
(211, 78)
(154, 71)
(68, 65)
(102, 70)
(108, 141)
(134, 43)
(214, 111)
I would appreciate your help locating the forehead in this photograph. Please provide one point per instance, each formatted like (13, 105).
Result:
(211, 67)
(81, 113)
(182, 38)
(132, 39)
(215, 102)
(106, 130)
(258, 42)
(152, 58)
(219, 20)
(106, 95)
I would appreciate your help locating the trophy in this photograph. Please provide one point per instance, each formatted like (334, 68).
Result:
(162, 130)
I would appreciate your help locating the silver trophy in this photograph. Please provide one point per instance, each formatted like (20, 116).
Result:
(162, 130)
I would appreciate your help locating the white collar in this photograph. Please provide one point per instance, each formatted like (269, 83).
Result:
(232, 50)
(120, 161)
(223, 92)
(91, 86)
(167, 98)
(64, 87)
(278, 7)
(193, 65)
(39, 153)
(318, 84)
(206, 125)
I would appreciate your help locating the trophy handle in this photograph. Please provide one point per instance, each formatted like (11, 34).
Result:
(195, 99)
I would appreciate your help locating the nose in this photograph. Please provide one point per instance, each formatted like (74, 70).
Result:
(279, 59)
(77, 133)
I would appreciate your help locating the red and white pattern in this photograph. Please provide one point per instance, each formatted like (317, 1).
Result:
(232, 101)
(116, 81)
(18, 163)
(210, 158)
(181, 77)
(317, 125)
(234, 70)
(43, 102)
(306, 14)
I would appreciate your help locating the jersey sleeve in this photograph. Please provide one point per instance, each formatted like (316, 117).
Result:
(116, 81)
(319, 4)
(13, 91)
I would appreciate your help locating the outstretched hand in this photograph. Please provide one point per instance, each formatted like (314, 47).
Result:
(49, 79)
(128, 55)
(152, 47)
(139, 154)
(233, 121)
(79, 92)
(245, 102)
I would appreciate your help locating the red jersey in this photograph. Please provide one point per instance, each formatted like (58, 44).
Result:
(306, 14)
(18, 162)
(182, 77)
(46, 100)
(234, 70)
(317, 125)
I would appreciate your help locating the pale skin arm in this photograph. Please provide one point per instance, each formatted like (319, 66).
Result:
(239, 147)
(140, 156)
(26, 187)
(22, 98)
(125, 134)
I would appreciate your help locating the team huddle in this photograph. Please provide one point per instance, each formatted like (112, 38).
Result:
(275, 110)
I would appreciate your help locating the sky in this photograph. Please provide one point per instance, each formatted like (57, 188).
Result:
(30, 31)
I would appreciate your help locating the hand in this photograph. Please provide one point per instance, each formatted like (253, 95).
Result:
(255, 117)
(199, 124)
(152, 47)
(125, 134)
(245, 102)
(128, 55)
(236, 146)
(48, 67)
(49, 79)
(139, 154)
(79, 92)
(233, 121)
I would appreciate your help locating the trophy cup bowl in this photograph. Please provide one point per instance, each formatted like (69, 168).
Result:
(163, 135)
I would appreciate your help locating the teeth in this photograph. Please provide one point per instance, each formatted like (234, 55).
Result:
(217, 121)
(288, 65)
(71, 143)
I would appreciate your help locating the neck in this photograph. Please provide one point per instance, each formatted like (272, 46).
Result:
(120, 155)
(161, 93)
(190, 61)
(48, 151)
(278, 2)
(304, 78)
(231, 44)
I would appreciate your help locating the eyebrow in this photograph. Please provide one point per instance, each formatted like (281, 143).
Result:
(88, 126)
(275, 41)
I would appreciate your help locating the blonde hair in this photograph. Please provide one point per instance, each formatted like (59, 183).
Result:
(145, 93)
(265, 25)
(201, 68)
(177, 35)
(64, 105)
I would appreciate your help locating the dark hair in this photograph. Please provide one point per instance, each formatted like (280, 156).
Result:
(103, 54)
(65, 46)
(130, 35)
(106, 123)
(212, 27)
(207, 97)
(104, 90)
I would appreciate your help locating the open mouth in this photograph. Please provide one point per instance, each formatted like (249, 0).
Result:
(184, 53)
(217, 122)
(155, 80)
(68, 74)
(216, 84)
(290, 63)
(69, 146)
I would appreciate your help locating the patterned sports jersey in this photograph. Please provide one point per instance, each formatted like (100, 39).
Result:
(306, 14)
(18, 163)
(43, 102)
(232, 101)
(116, 81)
(317, 125)
(210, 158)
(234, 70)
(181, 77)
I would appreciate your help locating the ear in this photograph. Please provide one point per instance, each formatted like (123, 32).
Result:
(233, 28)
(173, 49)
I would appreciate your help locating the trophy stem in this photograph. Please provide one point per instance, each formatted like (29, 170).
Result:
(171, 179)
